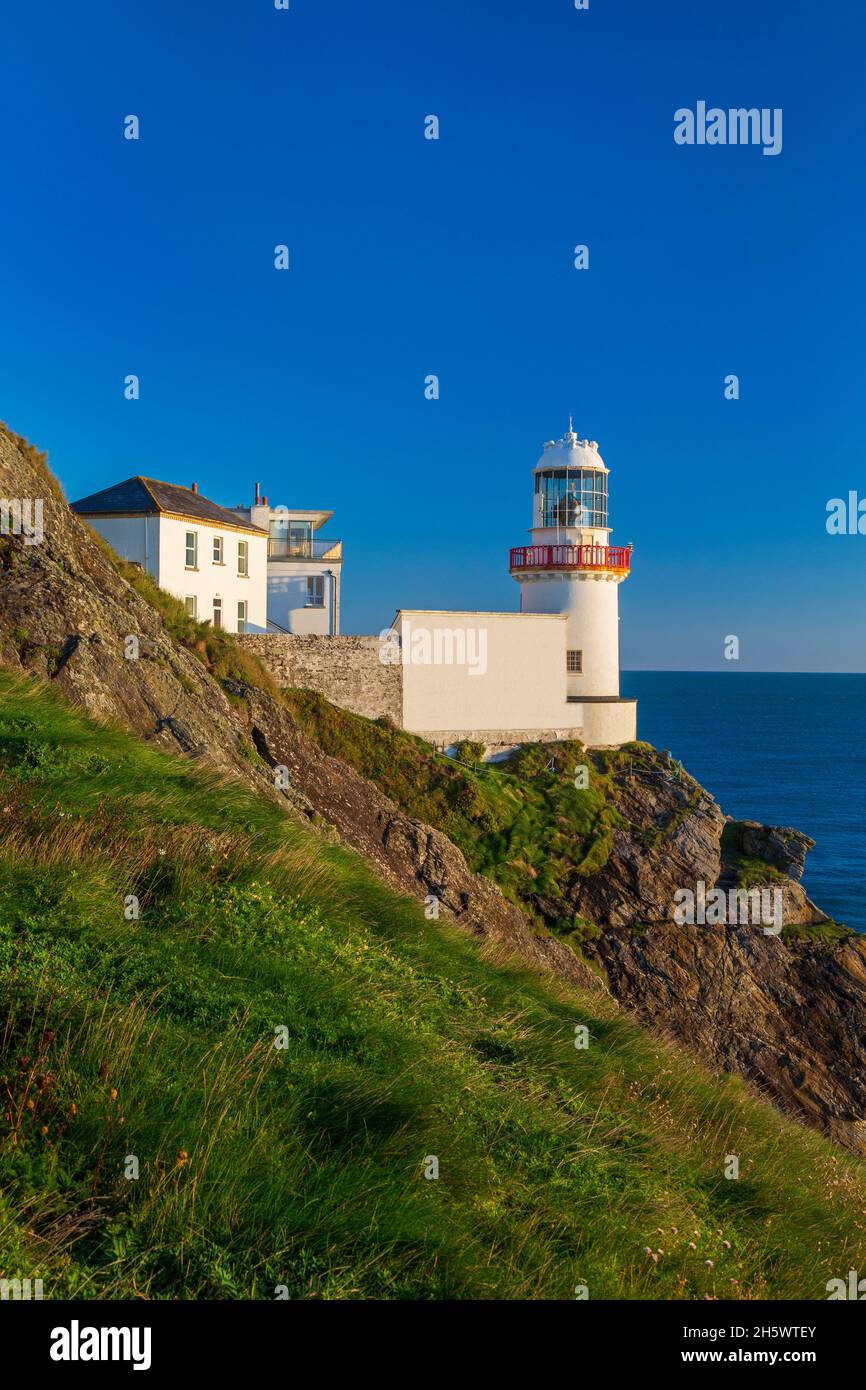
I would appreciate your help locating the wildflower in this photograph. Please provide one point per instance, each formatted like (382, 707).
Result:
(708, 1263)
(182, 1158)
(112, 1094)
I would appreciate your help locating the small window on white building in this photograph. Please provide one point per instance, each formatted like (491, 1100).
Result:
(243, 557)
(191, 550)
(242, 615)
(574, 663)
(217, 550)
(191, 605)
(315, 591)
(217, 612)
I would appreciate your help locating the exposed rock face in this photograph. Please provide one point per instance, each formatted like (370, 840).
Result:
(792, 1020)
(678, 843)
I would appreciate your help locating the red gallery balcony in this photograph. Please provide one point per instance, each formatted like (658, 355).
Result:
(616, 559)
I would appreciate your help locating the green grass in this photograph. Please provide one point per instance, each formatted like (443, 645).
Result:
(304, 1166)
(823, 936)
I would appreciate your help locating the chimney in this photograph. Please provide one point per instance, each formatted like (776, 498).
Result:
(258, 494)
(264, 501)
(195, 487)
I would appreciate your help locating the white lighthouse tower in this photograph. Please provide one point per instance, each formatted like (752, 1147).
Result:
(569, 567)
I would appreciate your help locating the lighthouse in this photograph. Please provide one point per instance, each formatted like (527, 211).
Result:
(570, 567)
(548, 673)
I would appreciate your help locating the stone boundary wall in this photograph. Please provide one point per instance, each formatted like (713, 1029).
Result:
(346, 670)
(495, 740)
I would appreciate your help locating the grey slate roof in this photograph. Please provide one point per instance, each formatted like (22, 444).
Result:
(147, 496)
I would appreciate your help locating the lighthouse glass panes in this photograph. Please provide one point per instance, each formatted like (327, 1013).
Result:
(573, 497)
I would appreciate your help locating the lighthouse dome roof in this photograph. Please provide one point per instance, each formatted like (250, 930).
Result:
(570, 452)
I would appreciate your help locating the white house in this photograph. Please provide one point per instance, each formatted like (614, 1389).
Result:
(212, 559)
(550, 671)
(304, 568)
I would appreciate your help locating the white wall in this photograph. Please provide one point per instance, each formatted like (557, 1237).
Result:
(287, 596)
(609, 722)
(520, 688)
(133, 538)
(211, 580)
(158, 544)
(518, 681)
(589, 600)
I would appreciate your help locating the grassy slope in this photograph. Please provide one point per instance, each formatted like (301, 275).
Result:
(304, 1166)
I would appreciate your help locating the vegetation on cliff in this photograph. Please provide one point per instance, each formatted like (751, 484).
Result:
(154, 1039)
(529, 823)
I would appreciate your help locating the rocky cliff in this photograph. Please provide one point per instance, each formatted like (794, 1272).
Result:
(789, 1015)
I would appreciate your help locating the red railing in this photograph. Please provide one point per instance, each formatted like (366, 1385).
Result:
(571, 557)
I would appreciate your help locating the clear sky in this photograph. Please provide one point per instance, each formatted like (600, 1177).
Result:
(455, 257)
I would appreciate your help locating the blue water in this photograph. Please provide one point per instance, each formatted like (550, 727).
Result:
(778, 748)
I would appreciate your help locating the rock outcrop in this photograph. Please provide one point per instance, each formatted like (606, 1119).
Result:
(791, 1021)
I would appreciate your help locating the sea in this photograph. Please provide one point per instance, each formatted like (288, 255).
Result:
(783, 749)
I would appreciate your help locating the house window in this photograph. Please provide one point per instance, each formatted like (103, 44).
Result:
(217, 550)
(574, 662)
(243, 557)
(217, 612)
(290, 538)
(242, 615)
(191, 550)
(191, 605)
(315, 591)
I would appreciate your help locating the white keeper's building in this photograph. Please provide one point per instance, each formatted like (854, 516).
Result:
(213, 560)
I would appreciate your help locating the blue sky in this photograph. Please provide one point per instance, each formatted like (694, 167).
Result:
(454, 257)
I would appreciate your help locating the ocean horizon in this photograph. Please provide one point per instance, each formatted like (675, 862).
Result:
(784, 748)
